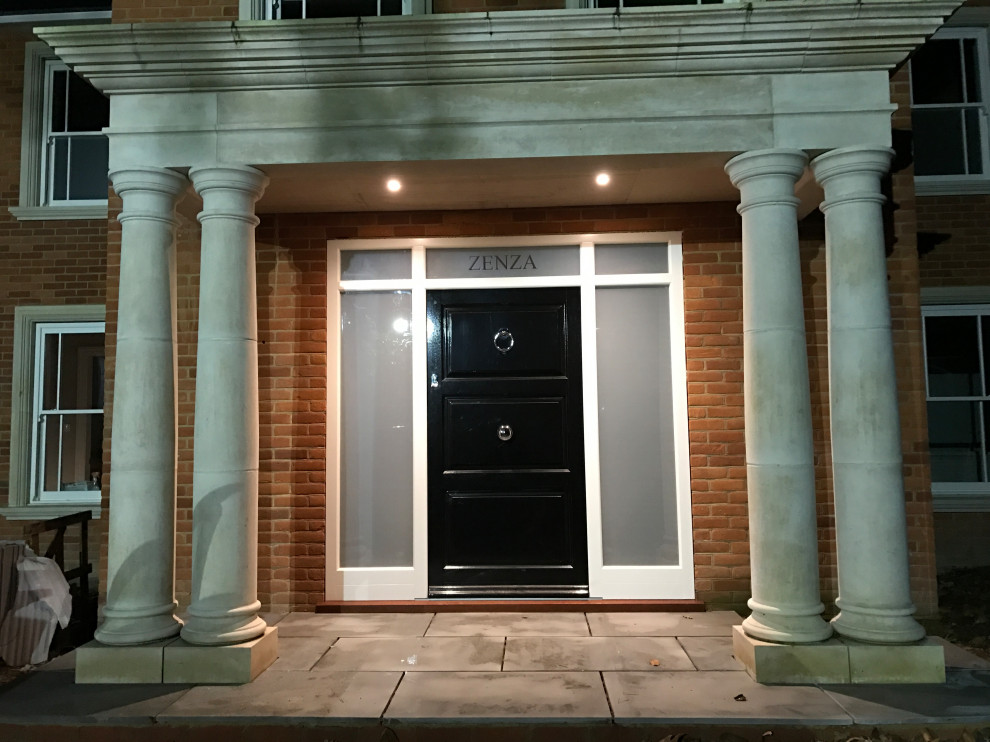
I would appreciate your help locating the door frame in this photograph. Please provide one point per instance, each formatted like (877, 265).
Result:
(411, 582)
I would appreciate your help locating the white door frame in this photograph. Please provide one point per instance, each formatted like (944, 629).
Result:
(411, 582)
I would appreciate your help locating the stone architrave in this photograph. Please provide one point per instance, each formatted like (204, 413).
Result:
(871, 526)
(786, 605)
(140, 605)
(224, 607)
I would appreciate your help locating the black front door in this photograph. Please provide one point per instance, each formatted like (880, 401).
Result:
(506, 447)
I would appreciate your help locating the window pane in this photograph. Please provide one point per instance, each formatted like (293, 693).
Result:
(953, 359)
(954, 441)
(376, 430)
(59, 188)
(938, 143)
(89, 109)
(636, 428)
(82, 372)
(516, 262)
(82, 452)
(370, 264)
(340, 8)
(936, 73)
(972, 57)
(49, 371)
(58, 100)
(79, 438)
(88, 168)
(50, 429)
(391, 7)
(974, 141)
(291, 8)
(614, 259)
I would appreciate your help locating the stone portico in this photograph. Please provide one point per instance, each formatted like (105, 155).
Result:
(230, 110)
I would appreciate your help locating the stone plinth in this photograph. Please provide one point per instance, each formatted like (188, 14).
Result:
(839, 661)
(791, 664)
(220, 665)
(104, 663)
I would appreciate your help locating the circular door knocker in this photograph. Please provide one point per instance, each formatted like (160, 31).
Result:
(505, 432)
(504, 341)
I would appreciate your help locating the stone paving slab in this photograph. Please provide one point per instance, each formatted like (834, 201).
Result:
(353, 624)
(53, 697)
(299, 696)
(581, 653)
(509, 624)
(963, 698)
(301, 653)
(534, 696)
(414, 654)
(959, 658)
(714, 623)
(710, 652)
(703, 696)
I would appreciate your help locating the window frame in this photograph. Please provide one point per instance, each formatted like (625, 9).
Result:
(34, 124)
(956, 496)
(958, 183)
(262, 9)
(20, 503)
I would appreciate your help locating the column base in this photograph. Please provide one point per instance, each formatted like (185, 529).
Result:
(220, 665)
(97, 662)
(839, 661)
(120, 629)
(213, 631)
(770, 624)
(875, 628)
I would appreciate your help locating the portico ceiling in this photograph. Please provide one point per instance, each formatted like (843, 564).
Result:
(505, 183)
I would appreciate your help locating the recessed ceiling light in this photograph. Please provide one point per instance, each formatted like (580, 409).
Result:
(394, 185)
(602, 179)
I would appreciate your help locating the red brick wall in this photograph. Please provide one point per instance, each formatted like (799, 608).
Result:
(963, 258)
(151, 11)
(292, 285)
(41, 262)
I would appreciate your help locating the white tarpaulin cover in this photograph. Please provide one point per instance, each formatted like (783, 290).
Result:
(41, 600)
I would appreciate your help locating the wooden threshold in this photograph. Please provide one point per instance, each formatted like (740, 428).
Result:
(589, 605)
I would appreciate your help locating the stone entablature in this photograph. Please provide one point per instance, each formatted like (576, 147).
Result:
(808, 75)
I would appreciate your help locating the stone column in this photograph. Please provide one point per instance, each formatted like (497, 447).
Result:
(141, 603)
(225, 605)
(786, 604)
(871, 527)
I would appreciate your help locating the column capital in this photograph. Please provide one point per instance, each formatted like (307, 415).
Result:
(157, 179)
(766, 162)
(233, 177)
(852, 174)
(766, 177)
(228, 191)
(149, 193)
(862, 159)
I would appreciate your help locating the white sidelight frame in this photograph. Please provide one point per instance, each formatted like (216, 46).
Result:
(411, 582)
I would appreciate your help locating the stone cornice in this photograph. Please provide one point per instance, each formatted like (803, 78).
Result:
(768, 36)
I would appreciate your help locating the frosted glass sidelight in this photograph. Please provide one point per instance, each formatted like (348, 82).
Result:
(359, 265)
(615, 259)
(376, 462)
(636, 427)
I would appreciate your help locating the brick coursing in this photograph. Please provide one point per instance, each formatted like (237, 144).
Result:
(53, 263)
